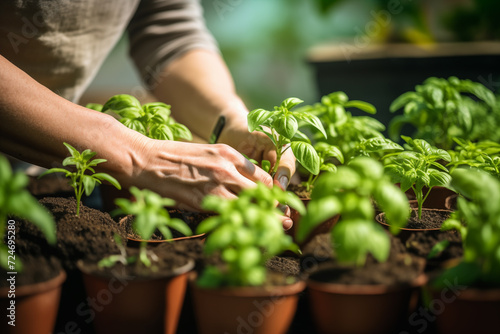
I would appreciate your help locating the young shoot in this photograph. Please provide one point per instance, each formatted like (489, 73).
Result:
(418, 167)
(83, 183)
(326, 153)
(150, 213)
(282, 127)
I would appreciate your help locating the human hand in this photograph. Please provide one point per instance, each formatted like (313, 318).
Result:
(187, 172)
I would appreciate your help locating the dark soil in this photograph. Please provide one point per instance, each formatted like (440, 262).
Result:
(289, 266)
(192, 219)
(299, 190)
(35, 269)
(421, 244)
(430, 219)
(89, 236)
(169, 257)
(401, 266)
(54, 185)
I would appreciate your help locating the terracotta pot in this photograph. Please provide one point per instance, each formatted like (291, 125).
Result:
(405, 233)
(322, 228)
(256, 310)
(36, 306)
(465, 310)
(436, 199)
(128, 305)
(360, 309)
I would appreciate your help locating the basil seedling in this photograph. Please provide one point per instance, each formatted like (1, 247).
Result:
(349, 192)
(148, 209)
(246, 233)
(282, 127)
(418, 167)
(80, 181)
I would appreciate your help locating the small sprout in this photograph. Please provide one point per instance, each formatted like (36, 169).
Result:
(148, 209)
(418, 167)
(80, 181)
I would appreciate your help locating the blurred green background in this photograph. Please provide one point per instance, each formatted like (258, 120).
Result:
(265, 42)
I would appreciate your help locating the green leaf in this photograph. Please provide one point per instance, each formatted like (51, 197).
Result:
(108, 178)
(365, 106)
(314, 121)
(121, 102)
(94, 106)
(318, 211)
(394, 203)
(354, 239)
(258, 117)
(291, 102)
(181, 226)
(306, 155)
(438, 248)
(88, 184)
(286, 126)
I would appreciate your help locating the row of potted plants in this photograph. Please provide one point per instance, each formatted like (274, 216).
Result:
(245, 232)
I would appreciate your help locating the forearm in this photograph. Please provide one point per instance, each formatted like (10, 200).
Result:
(35, 122)
(199, 88)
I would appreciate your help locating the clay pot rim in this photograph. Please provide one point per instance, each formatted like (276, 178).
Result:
(365, 289)
(40, 287)
(251, 291)
(177, 271)
(377, 218)
(196, 236)
(474, 294)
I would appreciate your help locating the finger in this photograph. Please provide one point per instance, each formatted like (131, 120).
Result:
(253, 173)
(285, 170)
(287, 222)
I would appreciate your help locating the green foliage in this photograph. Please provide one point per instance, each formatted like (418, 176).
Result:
(418, 167)
(122, 258)
(148, 209)
(441, 109)
(484, 155)
(344, 130)
(246, 232)
(478, 219)
(327, 154)
(151, 119)
(16, 201)
(282, 127)
(376, 147)
(80, 181)
(349, 192)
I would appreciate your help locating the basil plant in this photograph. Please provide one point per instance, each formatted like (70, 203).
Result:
(418, 167)
(349, 192)
(151, 119)
(477, 218)
(282, 126)
(246, 232)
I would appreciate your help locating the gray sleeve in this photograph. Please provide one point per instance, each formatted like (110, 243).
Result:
(162, 30)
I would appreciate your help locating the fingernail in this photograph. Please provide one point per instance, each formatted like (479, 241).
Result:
(287, 224)
(283, 180)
